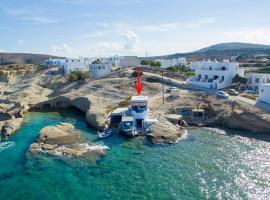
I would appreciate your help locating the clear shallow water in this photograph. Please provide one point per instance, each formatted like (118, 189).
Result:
(209, 164)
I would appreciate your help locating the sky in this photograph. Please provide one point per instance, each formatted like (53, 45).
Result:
(88, 28)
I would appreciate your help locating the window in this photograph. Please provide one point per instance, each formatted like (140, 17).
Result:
(262, 90)
(257, 80)
(185, 113)
(210, 68)
(128, 125)
(216, 77)
(222, 78)
(256, 87)
(139, 109)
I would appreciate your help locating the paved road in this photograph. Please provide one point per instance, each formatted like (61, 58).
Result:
(210, 92)
(243, 99)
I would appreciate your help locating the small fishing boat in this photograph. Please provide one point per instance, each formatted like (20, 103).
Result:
(105, 133)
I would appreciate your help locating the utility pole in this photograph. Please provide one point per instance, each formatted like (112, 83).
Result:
(162, 88)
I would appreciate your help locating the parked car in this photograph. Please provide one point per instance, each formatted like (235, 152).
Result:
(170, 88)
(222, 94)
(233, 92)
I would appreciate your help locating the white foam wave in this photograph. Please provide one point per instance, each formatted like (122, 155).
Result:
(88, 147)
(216, 130)
(185, 135)
(6, 145)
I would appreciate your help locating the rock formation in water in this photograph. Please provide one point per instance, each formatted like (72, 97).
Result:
(164, 132)
(63, 140)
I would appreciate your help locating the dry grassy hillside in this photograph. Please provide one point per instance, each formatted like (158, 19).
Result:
(23, 58)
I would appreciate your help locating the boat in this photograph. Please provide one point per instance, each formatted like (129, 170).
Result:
(105, 133)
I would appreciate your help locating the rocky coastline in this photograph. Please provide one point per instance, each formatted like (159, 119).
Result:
(99, 97)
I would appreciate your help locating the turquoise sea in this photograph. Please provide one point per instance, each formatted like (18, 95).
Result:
(208, 164)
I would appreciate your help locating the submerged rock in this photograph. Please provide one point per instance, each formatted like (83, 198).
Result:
(63, 140)
(164, 132)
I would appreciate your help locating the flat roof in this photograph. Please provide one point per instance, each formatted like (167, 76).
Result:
(265, 84)
(198, 110)
(139, 99)
(257, 74)
(119, 111)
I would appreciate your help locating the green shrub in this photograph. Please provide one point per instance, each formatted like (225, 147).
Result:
(240, 79)
(155, 64)
(72, 77)
(151, 63)
(79, 75)
(264, 70)
(145, 62)
(135, 72)
(173, 69)
(191, 73)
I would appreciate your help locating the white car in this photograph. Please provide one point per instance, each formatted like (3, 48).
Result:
(222, 94)
(233, 92)
(171, 88)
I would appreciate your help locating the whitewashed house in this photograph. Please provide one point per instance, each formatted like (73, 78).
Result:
(99, 70)
(257, 79)
(263, 101)
(135, 119)
(264, 94)
(214, 75)
(129, 61)
(53, 61)
(115, 60)
(165, 63)
(72, 64)
(98, 67)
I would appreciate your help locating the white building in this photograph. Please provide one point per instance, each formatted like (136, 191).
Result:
(165, 63)
(257, 79)
(52, 61)
(72, 64)
(115, 60)
(214, 75)
(134, 119)
(264, 95)
(129, 61)
(102, 67)
(100, 70)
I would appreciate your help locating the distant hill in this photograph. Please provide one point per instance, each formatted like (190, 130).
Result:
(24, 58)
(235, 46)
(223, 50)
